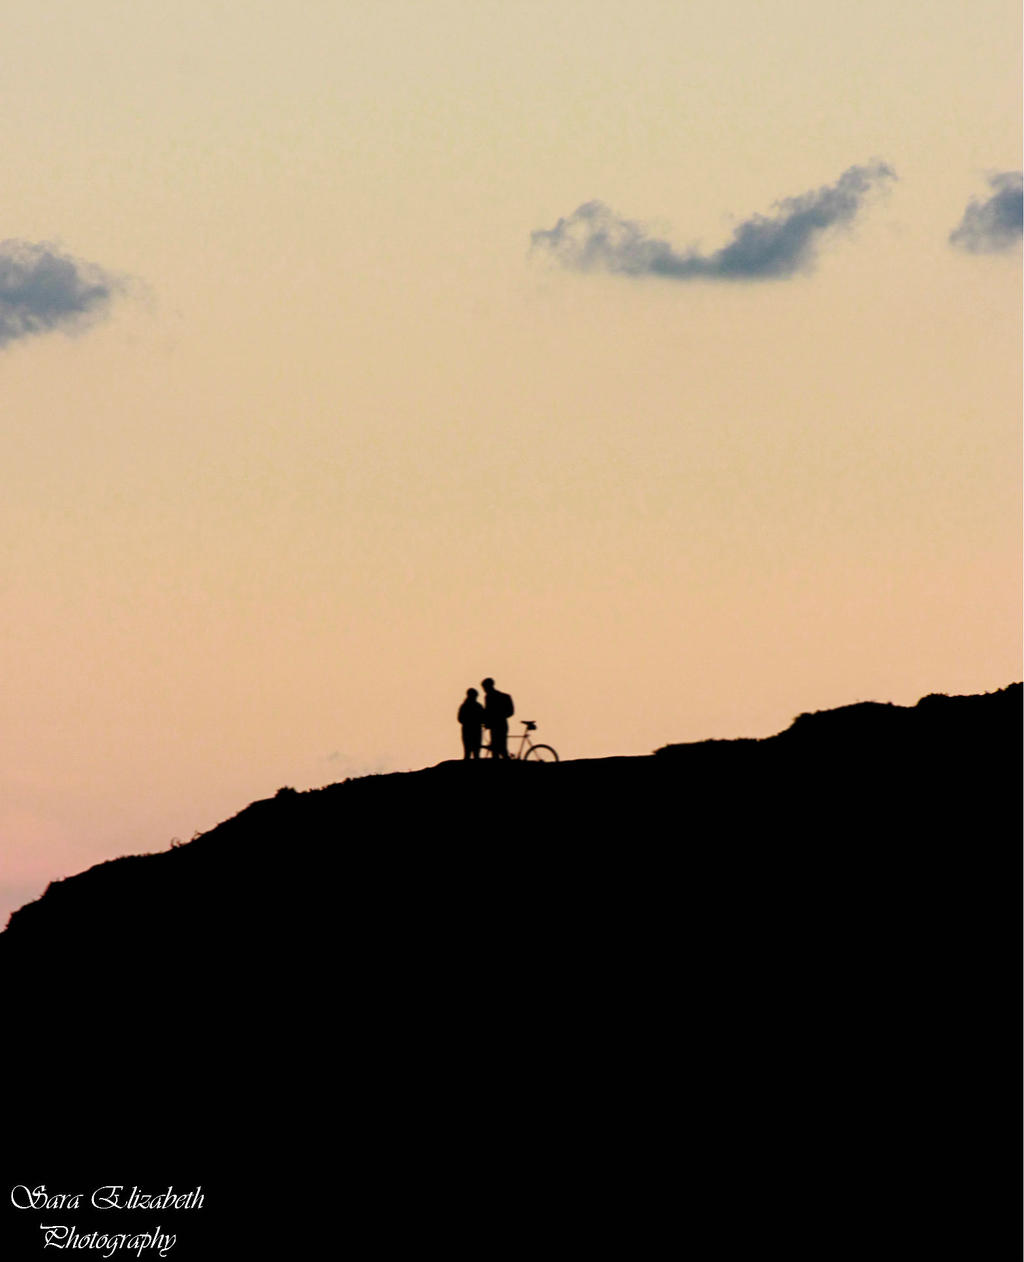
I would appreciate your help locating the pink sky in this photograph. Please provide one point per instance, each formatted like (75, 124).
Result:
(342, 446)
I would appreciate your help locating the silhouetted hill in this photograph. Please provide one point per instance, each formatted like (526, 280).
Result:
(781, 974)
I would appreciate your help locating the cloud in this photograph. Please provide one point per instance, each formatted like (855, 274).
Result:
(42, 290)
(996, 224)
(594, 238)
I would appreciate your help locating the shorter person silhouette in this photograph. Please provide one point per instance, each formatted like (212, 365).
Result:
(471, 716)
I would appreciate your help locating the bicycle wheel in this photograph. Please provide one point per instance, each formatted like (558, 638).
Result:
(541, 753)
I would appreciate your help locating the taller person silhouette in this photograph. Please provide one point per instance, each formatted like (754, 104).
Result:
(498, 709)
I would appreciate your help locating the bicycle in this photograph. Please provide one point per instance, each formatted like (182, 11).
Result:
(527, 749)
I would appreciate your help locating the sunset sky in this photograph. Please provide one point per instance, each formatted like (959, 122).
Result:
(659, 359)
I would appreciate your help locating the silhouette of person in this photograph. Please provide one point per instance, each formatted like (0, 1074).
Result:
(498, 709)
(471, 716)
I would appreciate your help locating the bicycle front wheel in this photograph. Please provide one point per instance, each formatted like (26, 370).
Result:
(541, 753)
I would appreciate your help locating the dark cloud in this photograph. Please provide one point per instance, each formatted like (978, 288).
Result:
(42, 289)
(995, 224)
(594, 238)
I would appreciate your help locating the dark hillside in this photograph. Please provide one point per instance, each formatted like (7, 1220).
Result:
(770, 983)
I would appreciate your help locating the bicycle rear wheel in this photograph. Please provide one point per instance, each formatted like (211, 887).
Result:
(541, 753)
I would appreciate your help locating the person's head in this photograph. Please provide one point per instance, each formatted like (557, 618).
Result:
(488, 685)
(471, 693)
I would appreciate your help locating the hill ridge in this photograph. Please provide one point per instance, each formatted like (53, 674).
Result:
(856, 732)
(488, 986)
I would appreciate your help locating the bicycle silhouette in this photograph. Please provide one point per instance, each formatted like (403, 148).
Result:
(527, 749)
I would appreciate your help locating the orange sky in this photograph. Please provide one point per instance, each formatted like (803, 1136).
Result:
(341, 445)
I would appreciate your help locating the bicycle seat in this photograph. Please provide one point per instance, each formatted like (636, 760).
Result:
(529, 725)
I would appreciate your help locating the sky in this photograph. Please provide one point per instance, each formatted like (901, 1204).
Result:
(660, 360)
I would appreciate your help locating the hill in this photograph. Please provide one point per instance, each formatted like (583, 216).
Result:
(782, 975)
